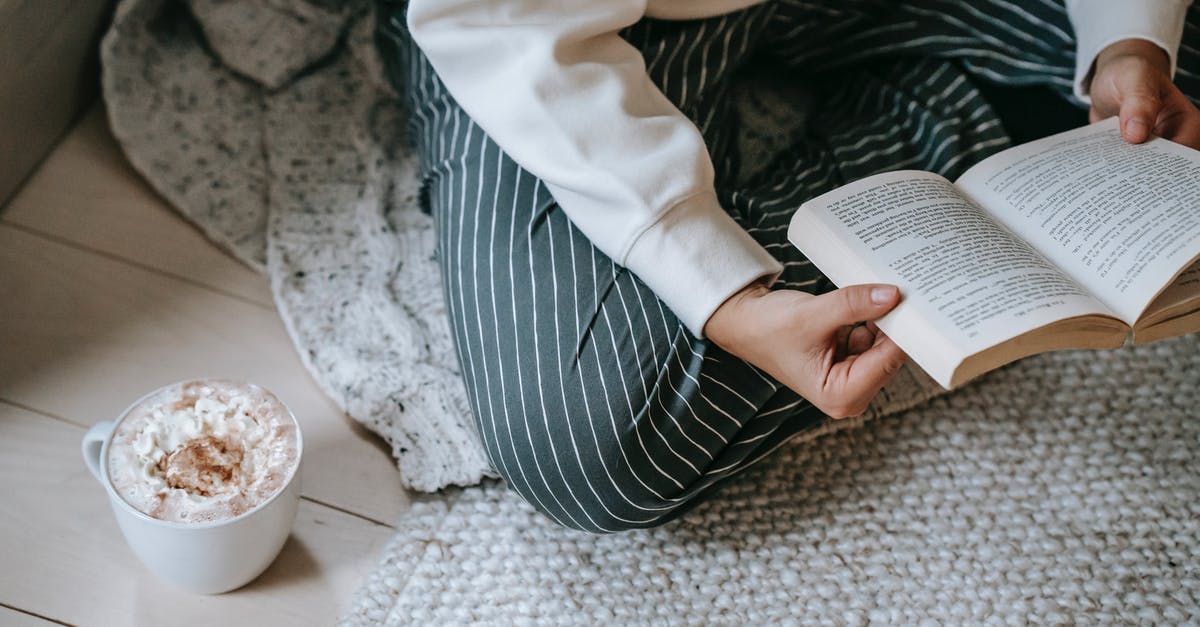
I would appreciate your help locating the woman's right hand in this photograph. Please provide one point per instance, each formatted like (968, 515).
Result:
(1133, 81)
(811, 343)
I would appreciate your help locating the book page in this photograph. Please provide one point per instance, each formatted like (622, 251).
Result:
(1120, 219)
(1186, 286)
(1182, 296)
(967, 279)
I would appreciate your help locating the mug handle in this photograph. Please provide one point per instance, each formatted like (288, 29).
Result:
(93, 442)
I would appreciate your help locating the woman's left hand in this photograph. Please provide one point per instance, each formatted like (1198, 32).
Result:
(1132, 79)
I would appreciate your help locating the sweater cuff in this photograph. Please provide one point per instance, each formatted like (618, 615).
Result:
(695, 257)
(1101, 23)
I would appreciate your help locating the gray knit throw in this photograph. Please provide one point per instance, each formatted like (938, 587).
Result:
(1061, 490)
(267, 123)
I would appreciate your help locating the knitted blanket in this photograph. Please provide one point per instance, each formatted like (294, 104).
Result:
(268, 124)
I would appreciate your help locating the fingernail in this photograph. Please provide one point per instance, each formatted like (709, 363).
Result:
(1137, 129)
(883, 295)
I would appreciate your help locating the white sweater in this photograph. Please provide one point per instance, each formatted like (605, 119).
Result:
(554, 85)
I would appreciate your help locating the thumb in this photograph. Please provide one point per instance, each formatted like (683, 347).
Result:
(1139, 110)
(856, 303)
(862, 376)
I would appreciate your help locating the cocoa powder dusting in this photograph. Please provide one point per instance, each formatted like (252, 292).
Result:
(203, 465)
(159, 509)
(189, 395)
(187, 402)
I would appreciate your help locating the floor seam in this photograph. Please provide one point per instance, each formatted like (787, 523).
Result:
(34, 614)
(58, 239)
(343, 510)
(42, 412)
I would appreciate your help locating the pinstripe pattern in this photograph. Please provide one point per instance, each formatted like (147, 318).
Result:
(594, 403)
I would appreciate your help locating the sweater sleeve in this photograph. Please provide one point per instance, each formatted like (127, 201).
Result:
(556, 87)
(1100, 23)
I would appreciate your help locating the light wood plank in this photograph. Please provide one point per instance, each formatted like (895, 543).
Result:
(82, 335)
(87, 193)
(13, 618)
(65, 558)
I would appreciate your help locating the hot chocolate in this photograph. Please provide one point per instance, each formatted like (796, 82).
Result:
(203, 451)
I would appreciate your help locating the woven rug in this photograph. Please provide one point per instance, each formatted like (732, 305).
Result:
(1064, 489)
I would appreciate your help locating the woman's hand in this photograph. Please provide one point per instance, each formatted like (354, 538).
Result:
(811, 344)
(1132, 79)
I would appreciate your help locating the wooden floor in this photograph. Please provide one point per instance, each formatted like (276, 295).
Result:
(105, 293)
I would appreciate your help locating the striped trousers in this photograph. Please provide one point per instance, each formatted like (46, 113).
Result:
(592, 401)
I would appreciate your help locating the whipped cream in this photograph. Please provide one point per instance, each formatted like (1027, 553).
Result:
(203, 450)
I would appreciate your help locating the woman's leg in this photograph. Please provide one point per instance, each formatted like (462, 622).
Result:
(593, 402)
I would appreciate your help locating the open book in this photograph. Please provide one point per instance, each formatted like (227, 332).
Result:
(1078, 240)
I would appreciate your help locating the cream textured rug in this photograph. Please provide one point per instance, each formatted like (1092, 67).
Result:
(1062, 490)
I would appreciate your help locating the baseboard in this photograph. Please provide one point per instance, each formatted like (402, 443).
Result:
(49, 70)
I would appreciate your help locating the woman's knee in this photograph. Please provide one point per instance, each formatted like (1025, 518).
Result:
(569, 475)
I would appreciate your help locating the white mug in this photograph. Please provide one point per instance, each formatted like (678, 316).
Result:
(205, 557)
